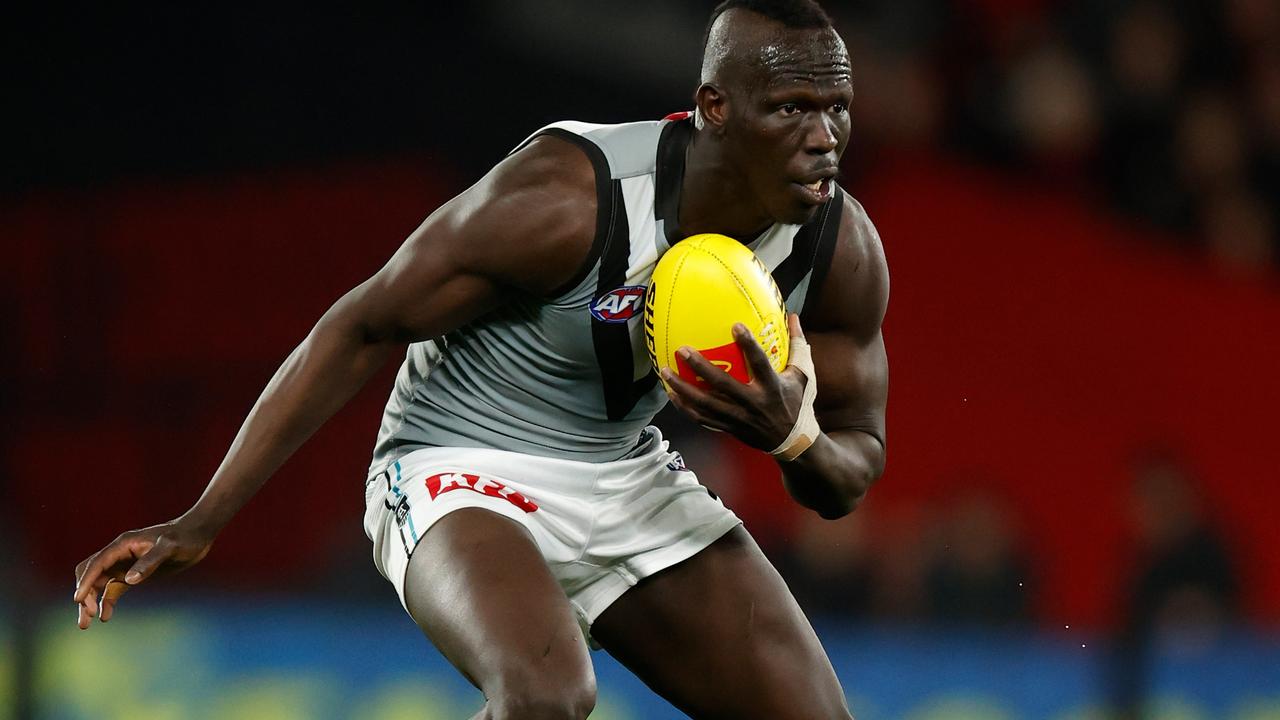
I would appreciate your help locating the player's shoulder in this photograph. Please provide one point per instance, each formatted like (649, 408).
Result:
(577, 158)
(535, 217)
(855, 292)
(542, 161)
(858, 236)
(617, 151)
(528, 219)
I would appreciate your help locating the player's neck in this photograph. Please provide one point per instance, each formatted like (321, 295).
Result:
(714, 197)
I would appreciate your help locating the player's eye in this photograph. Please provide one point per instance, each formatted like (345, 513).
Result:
(789, 109)
(839, 108)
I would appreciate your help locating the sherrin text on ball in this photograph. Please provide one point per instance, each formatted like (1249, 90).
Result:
(701, 287)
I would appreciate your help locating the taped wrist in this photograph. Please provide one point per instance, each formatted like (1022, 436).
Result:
(806, 429)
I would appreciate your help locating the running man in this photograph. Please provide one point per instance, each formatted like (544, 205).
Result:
(519, 500)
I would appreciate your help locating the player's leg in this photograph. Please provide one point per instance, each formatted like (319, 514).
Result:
(478, 587)
(720, 636)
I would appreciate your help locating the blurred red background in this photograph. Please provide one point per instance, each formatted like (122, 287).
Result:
(1036, 346)
(1080, 204)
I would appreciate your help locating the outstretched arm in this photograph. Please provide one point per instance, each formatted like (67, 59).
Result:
(524, 227)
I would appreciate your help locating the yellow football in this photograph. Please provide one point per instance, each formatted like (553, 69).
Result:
(700, 288)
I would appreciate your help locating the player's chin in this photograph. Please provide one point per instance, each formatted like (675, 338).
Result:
(796, 213)
(801, 203)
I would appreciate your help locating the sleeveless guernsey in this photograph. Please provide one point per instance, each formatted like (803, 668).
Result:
(569, 376)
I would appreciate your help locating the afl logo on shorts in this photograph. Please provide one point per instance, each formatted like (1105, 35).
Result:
(619, 305)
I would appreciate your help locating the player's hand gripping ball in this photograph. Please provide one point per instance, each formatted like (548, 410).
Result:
(700, 288)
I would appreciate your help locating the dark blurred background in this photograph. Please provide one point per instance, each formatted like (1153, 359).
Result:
(1079, 206)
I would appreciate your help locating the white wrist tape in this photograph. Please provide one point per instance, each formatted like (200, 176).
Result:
(806, 429)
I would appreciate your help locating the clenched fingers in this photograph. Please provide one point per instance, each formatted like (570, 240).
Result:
(714, 376)
(703, 407)
(757, 360)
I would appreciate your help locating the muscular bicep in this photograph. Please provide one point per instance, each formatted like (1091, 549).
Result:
(845, 331)
(426, 289)
(523, 228)
(853, 383)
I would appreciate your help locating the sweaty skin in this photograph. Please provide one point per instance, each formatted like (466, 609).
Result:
(523, 228)
(772, 98)
(772, 124)
(775, 97)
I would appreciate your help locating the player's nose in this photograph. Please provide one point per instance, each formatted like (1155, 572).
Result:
(820, 135)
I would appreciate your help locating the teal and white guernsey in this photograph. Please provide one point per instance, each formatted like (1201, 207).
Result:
(569, 376)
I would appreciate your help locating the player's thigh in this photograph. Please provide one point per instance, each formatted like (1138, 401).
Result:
(720, 636)
(480, 590)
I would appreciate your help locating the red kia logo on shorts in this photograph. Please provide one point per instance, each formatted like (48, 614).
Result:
(448, 482)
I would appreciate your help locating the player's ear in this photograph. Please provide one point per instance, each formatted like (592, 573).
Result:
(712, 105)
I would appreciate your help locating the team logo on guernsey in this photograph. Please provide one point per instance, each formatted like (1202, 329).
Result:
(619, 305)
(442, 483)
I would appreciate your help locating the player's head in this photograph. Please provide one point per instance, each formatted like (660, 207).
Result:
(775, 92)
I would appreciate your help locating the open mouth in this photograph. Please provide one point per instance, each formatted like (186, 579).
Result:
(818, 191)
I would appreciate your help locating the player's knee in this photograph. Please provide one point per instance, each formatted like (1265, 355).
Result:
(550, 696)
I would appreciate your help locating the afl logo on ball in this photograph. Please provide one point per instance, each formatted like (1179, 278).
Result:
(619, 305)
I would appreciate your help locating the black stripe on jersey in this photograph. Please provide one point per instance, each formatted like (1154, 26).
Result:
(822, 255)
(605, 197)
(612, 341)
(668, 177)
(811, 250)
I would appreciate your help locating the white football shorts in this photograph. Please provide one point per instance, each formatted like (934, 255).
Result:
(601, 527)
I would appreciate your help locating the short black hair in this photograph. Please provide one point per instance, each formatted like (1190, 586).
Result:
(791, 13)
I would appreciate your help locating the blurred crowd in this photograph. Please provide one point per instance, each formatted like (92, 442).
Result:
(966, 565)
(967, 561)
(1167, 111)
(1163, 112)
(962, 564)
